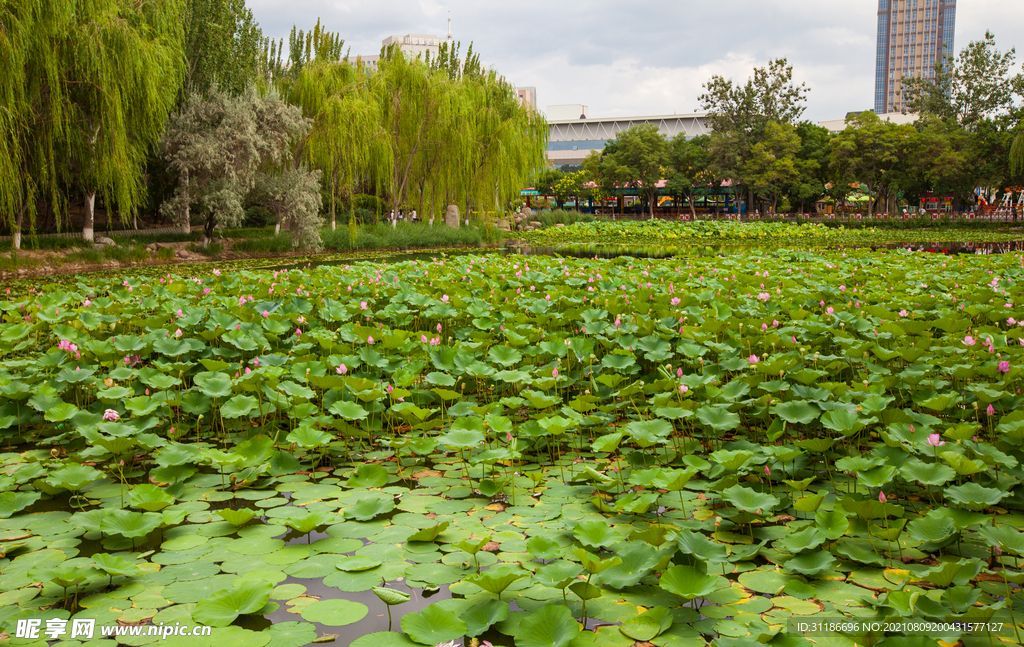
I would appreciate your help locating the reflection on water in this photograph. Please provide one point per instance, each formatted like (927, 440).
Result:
(698, 251)
(690, 250)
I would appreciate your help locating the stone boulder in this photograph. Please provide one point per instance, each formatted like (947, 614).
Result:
(451, 216)
(103, 240)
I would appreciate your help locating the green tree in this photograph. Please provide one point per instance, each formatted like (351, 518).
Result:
(346, 141)
(975, 85)
(812, 166)
(570, 185)
(219, 144)
(867, 150)
(222, 46)
(690, 168)
(606, 174)
(1017, 152)
(642, 154)
(739, 114)
(86, 87)
(32, 108)
(121, 69)
(772, 165)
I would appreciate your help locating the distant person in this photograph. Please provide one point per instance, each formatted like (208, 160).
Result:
(412, 218)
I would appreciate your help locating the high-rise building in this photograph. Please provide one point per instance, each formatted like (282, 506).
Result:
(913, 35)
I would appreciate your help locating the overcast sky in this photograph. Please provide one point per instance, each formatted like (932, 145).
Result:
(641, 57)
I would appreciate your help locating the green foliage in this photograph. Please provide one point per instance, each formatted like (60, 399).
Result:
(976, 85)
(639, 156)
(219, 145)
(222, 46)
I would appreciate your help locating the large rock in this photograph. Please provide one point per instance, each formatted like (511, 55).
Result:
(103, 240)
(451, 216)
(536, 224)
(526, 211)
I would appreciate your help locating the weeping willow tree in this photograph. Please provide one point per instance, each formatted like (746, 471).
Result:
(122, 65)
(346, 141)
(419, 132)
(32, 108)
(1017, 152)
(458, 133)
(509, 139)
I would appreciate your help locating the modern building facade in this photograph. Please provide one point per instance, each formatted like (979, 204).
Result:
(571, 140)
(913, 35)
(527, 96)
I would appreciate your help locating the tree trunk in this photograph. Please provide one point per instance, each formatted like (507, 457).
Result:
(16, 234)
(186, 224)
(88, 228)
(208, 231)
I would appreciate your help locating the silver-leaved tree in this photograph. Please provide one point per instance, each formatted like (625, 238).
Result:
(221, 146)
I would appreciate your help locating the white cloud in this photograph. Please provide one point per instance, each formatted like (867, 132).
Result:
(643, 57)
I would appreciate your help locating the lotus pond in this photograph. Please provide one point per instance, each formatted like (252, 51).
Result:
(528, 451)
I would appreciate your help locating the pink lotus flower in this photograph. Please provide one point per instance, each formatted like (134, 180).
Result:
(438, 327)
(87, 303)
(935, 440)
(241, 301)
(679, 372)
(206, 291)
(256, 362)
(764, 326)
(391, 389)
(266, 314)
(363, 305)
(676, 301)
(111, 416)
(881, 496)
(248, 370)
(991, 410)
(554, 373)
(423, 338)
(1004, 367)
(341, 370)
(904, 313)
(369, 340)
(618, 322)
(970, 341)
(298, 332)
(1011, 321)
(177, 333)
(216, 272)
(829, 310)
(753, 359)
(179, 313)
(444, 298)
(775, 323)
(683, 389)
(767, 471)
